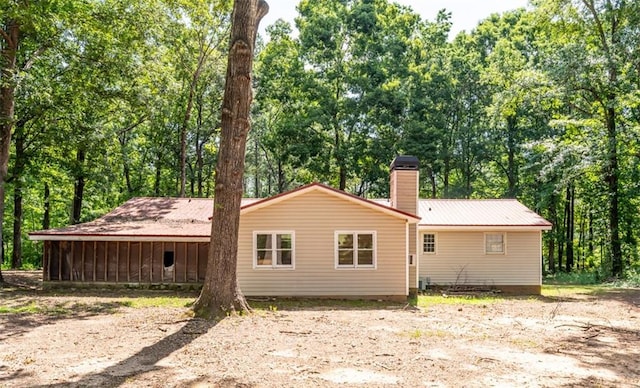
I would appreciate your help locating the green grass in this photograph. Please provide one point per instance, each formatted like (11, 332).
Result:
(578, 277)
(439, 299)
(304, 303)
(564, 290)
(31, 308)
(418, 333)
(157, 301)
(78, 307)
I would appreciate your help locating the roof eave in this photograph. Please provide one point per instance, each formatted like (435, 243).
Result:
(484, 228)
(121, 238)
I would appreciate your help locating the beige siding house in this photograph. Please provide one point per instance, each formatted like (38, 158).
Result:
(314, 241)
(340, 245)
(481, 243)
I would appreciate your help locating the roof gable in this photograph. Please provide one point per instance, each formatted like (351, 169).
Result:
(333, 192)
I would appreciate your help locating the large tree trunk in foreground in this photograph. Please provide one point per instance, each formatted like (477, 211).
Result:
(220, 294)
(8, 79)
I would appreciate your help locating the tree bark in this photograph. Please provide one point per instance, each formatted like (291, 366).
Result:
(18, 169)
(8, 79)
(512, 167)
(569, 263)
(220, 293)
(205, 50)
(78, 188)
(46, 218)
(552, 239)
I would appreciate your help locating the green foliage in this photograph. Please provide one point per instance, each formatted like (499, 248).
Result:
(427, 300)
(575, 278)
(533, 103)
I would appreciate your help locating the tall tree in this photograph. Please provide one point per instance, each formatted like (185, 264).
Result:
(221, 294)
(596, 43)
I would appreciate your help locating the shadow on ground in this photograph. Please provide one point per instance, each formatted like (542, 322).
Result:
(145, 360)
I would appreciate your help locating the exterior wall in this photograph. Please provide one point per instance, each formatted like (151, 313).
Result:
(404, 196)
(460, 260)
(124, 261)
(314, 217)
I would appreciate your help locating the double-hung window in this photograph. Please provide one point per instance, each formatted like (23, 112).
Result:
(355, 249)
(495, 243)
(273, 250)
(429, 243)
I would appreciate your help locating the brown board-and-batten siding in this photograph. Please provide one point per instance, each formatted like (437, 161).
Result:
(139, 262)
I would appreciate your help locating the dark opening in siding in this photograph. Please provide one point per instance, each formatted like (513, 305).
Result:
(168, 259)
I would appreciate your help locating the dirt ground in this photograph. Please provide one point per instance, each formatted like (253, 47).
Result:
(572, 340)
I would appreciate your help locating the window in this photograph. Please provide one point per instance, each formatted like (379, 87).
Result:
(429, 243)
(273, 249)
(355, 249)
(494, 243)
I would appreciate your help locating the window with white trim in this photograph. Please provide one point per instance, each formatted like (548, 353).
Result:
(355, 249)
(273, 249)
(429, 243)
(494, 243)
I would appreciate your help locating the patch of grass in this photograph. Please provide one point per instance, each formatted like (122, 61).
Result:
(578, 277)
(274, 305)
(417, 333)
(157, 301)
(31, 308)
(631, 279)
(438, 299)
(523, 343)
(568, 290)
(61, 309)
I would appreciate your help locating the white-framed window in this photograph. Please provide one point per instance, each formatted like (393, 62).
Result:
(274, 249)
(429, 243)
(495, 243)
(355, 249)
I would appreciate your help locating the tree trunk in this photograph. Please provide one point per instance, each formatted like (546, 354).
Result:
(551, 255)
(561, 234)
(18, 169)
(570, 227)
(158, 174)
(46, 218)
(202, 60)
(611, 178)
(281, 178)
(199, 151)
(512, 167)
(8, 79)
(78, 188)
(220, 293)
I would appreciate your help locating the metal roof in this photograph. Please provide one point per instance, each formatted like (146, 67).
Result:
(478, 212)
(186, 219)
(146, 217)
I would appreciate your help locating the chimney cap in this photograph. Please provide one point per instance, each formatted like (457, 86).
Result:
(405, 162)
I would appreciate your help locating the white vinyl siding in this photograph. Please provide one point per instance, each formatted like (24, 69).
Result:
(461, 260)
(315, 217)
(274, 249)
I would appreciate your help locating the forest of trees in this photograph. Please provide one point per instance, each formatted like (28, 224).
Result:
(101, 101)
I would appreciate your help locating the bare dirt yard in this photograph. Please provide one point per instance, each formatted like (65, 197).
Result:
(570, 337)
